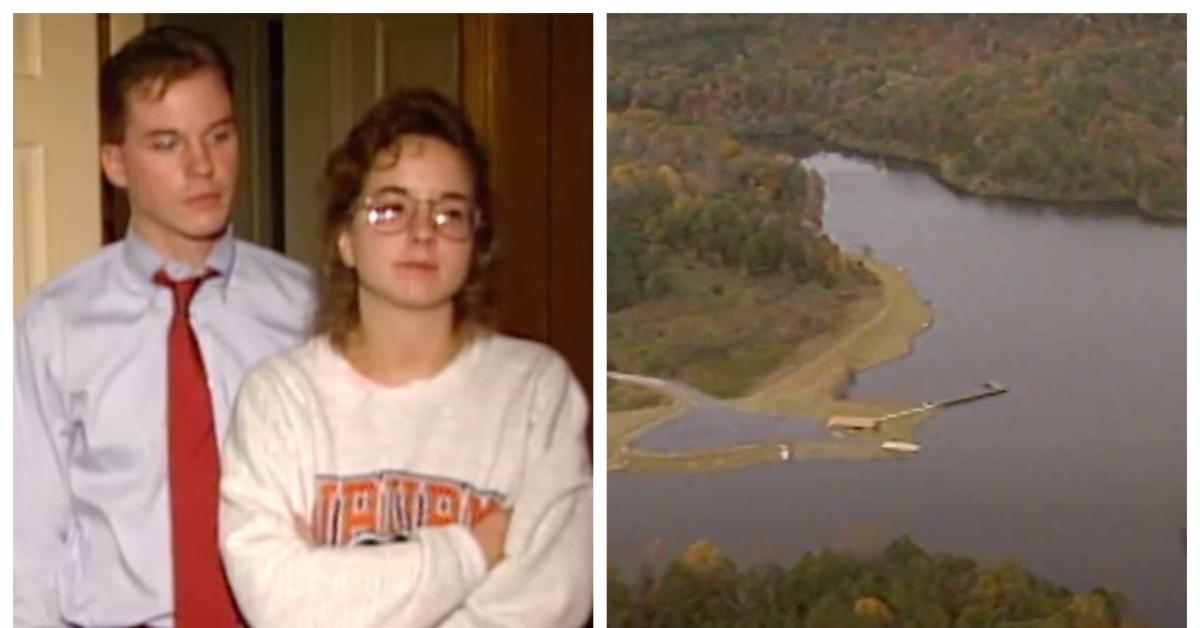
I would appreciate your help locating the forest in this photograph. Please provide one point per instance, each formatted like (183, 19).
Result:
(682, 193)
(717, 264)
(1069, 108)
(904, 585)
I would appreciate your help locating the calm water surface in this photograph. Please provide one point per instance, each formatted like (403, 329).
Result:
(1078, 472)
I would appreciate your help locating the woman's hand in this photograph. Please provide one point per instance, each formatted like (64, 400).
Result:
(302, 529)
(490, 532)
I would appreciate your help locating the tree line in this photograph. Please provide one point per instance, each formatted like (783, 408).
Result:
(905, 585)
(683, 195)
(1056, 107)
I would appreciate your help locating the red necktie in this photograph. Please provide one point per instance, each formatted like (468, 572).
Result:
(202, 596)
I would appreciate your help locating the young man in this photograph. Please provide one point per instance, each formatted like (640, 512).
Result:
(126, 365)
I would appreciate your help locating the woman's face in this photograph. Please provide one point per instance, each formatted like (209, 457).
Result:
(418, 253)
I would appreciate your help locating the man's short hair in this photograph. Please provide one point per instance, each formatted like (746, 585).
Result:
(153, 61)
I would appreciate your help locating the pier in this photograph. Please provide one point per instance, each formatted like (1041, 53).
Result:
(990, 389)
(851, 423)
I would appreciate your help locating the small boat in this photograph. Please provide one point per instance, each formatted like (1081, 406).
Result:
(900, 446)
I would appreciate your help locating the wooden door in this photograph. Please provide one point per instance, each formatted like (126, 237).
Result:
(56, 138)
(527, 87)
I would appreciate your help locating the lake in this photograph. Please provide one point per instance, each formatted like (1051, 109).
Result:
(1078, 472)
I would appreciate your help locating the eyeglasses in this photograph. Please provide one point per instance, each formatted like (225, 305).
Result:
(453, 217)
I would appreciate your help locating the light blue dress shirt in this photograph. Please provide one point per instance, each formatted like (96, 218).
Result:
(92, 530)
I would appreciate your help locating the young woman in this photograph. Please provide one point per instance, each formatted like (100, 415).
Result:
(407, 466)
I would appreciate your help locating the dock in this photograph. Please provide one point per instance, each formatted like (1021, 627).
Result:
(990, 389)
(849, 423)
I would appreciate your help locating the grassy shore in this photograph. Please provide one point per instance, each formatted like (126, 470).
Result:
(876, 329)
(723, 332)
(624, 426)
(625, 396)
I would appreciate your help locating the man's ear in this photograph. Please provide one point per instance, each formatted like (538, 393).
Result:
(345, 250)
(112, 160)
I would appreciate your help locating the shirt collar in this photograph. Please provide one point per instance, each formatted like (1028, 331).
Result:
(144, 261)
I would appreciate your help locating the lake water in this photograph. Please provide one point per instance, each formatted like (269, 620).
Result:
(1078, 472)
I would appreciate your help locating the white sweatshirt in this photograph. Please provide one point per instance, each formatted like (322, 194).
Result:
(388, 481)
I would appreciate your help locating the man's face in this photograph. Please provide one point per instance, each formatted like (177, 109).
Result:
(178, 161)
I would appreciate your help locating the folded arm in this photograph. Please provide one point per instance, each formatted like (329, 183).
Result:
(280, 579)
(546, 577)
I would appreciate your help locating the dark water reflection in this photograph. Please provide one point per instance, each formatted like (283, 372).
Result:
(1079, 472)
(709, 423)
